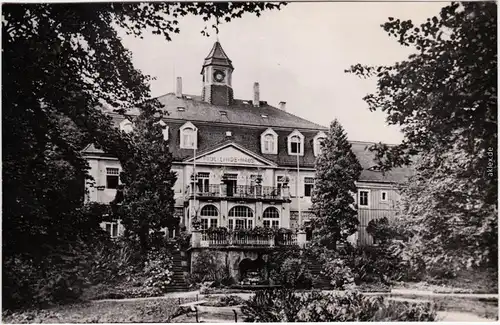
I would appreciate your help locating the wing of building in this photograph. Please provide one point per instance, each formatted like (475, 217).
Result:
(254, 162)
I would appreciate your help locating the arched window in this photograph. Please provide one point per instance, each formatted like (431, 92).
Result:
(209, 216)
(165, 130)
(318, 143)
(296, 143)
(209, 211)
(189, 138)
(271, 217)
(126, 126)
(269, 142)
(240, 217)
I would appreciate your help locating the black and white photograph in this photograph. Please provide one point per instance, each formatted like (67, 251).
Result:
(229, 162)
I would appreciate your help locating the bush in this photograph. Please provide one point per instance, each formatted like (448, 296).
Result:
(206, 268)
(59, 277)
(113, 261)
(337, 270)
(272, 306)
(293, 273)
(286, 306)
(158, 269)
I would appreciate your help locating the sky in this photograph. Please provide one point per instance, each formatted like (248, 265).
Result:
(297, 54)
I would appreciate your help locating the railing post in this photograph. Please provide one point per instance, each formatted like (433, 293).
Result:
(301, 238)
(195, 238)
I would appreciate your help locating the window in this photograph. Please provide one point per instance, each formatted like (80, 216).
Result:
(281, 181)
(189, 136)
(363, 198)
(269, 142)
(240, 217)
(126, 126)
(296, 143)
(383, 196)
(209, 211)
(203, 183)
(112, 177)
(164, 130)
(271, 218)
(308, 186)
(111, 228)
(318, 143)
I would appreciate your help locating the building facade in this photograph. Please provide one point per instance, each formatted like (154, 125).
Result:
(242, 163)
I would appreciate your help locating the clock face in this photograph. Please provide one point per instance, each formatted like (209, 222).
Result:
(219, 75)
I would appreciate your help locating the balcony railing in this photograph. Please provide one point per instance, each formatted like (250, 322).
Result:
(239, 239)
(240, 191)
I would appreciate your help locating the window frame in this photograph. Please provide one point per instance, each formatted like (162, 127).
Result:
(317, 144)
(246, 220)
(367, 198)
(309, 183)
(264, 140)
(126, 123)
(382, 199)
(107, 168)
(194, 141)
(274, 221)
(300, 143)
(113, 225)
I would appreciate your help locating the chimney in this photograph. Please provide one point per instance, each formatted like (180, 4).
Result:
(178, 89)
(256, 94)
(283, 106)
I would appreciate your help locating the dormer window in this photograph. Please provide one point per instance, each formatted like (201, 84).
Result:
(189, 136)
(318, 143)
(296, 143)
(126, 126)
(164, 130)
(269, 142)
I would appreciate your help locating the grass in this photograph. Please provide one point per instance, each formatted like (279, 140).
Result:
(141, 311)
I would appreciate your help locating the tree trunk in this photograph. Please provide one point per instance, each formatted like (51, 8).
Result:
(144, 241)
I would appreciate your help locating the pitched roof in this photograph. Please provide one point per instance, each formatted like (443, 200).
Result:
(217, 56)
(241, 112)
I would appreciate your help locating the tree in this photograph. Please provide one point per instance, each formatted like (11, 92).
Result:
(444, 97)
(337, 169)
(148, 195)
(64, 66)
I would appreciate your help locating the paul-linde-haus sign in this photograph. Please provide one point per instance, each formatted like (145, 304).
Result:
(229, 156)
(230, 160)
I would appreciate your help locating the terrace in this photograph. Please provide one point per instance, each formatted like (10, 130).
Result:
(226, 191)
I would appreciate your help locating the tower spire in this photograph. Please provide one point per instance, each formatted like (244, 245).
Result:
(217, 71)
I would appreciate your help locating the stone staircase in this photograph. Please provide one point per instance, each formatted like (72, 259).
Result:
(321, 281)
(180, 268)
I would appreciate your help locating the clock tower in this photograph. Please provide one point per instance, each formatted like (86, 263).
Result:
(216, 75)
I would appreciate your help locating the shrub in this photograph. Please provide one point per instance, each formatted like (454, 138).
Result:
(59, 277)
(114, 261)
(337, 270)
(272, 306)
(206, 268)
(158, 269)
(286, 306)
(293, 273)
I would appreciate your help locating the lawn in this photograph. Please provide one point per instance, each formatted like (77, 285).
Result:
(140, 311)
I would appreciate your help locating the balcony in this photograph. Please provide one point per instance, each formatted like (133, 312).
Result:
(236, 239)
(240, 191)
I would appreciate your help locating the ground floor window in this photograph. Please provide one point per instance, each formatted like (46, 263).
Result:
(209, 214)
(208, 223)
(271, 218)
(240, 217)
(111, 228)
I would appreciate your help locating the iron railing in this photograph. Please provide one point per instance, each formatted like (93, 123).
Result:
(242, 239)
(239, 191)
